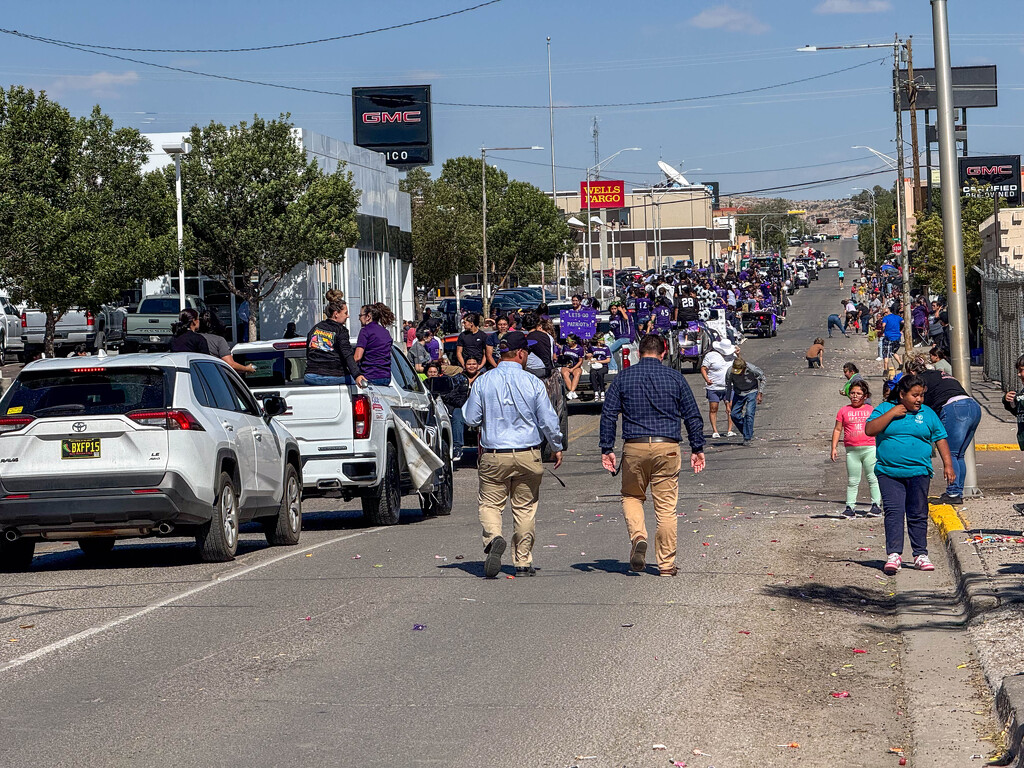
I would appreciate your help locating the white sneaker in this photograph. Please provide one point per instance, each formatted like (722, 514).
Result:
(893, 564)
(730, 433)
(922, 563)
(878, 359)
(715, 434)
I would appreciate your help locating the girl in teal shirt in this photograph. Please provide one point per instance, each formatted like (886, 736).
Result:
(904, 429)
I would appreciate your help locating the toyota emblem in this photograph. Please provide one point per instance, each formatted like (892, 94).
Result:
(79, 426)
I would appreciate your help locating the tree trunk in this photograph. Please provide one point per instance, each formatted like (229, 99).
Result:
(254, 319)
(51, 331)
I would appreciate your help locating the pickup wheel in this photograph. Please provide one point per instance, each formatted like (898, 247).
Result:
(439, 503)
(96, 547)
(384, 506)
(16, 556)
(284, 528)
(218, 539)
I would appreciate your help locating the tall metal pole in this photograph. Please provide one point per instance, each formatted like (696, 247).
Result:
(181, 253)
(874, 229)
(952, 224)
(901, 201)
(554, 188)
(590, 259)
(912, 100)
(483, 186)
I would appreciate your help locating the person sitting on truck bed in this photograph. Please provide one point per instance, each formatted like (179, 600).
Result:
(329, 359)
(185, 337)
(210, 328)
(373, 347)
(473, 342)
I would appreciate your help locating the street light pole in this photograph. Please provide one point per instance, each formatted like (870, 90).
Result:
(483, 197)
(595, 170)
(952, 223)
(176, 151)
(874, 224)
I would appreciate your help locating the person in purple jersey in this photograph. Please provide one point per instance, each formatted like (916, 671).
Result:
(373, 346)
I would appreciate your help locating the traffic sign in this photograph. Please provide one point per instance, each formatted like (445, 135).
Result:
(860, 221)
(897, 248)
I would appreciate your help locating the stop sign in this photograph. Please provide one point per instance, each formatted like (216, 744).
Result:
(897, 248)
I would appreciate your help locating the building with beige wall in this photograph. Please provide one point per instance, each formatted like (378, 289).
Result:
(1004, 248)
(656, 226)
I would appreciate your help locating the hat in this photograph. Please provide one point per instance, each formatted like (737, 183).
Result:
(514, 340)
(724, 347)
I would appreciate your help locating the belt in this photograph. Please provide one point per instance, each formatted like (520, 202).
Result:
(511, 450)
(651, 439)
(957, 398)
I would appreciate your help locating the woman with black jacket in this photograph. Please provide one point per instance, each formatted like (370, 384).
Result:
(186, 338)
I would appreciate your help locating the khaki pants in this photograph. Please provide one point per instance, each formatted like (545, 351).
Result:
(511, 477)
(656, 465)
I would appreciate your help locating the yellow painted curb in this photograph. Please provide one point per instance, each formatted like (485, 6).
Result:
(996, 447)
(945, 518)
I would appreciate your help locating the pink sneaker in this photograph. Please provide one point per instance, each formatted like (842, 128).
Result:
(922, 563)
(893, 564)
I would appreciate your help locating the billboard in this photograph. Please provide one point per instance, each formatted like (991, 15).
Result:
(603, 194)
(972, 87)
(999, 172)
(395, 121)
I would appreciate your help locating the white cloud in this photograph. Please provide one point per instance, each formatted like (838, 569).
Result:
(100, 84)
(732, 19)
(854, 6)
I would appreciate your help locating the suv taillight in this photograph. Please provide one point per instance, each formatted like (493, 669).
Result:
(90, 319)
(14, 423)
(172, 419)
(24, 320)
(362, 417)
(124, 324)
(625, 358)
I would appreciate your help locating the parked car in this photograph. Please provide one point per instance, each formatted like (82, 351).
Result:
(10, 330)
(97, 449)
(96, 330)
(348, 438)
(151, 327)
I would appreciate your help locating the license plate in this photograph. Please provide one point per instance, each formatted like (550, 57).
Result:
(80, 449)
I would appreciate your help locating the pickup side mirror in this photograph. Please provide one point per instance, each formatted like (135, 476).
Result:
(274, 405)
(438, 385)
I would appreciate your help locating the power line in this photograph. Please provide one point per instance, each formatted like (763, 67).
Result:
(348, 94)
(348, 36)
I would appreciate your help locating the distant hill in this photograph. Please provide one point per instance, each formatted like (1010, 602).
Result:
(838, 212)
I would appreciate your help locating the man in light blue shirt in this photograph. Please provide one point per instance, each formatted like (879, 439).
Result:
(512, 409)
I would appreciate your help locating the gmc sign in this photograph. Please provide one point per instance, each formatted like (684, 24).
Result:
(986, 176)
(395, 121)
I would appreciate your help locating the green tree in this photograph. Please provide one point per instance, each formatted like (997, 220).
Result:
(256, 208)
(778, 223)
(884, 211)
(929, 261)
(79, 220)
(528, 229)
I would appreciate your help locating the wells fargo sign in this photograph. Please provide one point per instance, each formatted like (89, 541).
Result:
(603, 194)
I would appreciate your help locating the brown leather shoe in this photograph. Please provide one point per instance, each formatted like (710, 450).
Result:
(671, 572)
(638, 555)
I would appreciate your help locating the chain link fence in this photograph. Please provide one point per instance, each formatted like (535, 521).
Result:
(1002, 291)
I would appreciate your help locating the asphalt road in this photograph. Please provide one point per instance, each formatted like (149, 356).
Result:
(311, 656)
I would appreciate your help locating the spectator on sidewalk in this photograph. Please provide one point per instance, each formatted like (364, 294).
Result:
(892, 332)
(1013, 401)
(852, 374)
(939, 358)
(905, 429)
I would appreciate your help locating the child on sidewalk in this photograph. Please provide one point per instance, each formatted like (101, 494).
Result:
(860, 449)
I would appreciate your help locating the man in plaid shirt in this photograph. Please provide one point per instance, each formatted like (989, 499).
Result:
(652, 399)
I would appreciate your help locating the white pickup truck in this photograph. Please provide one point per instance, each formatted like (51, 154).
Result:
(348, 439)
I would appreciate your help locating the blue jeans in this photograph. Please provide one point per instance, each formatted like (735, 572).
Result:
(905, 498)
(961, 420)
(743, 408)
(381, 382)
(834, 324)
(316, 380)
(458, 429)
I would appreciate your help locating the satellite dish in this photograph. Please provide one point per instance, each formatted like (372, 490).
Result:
(673, 175)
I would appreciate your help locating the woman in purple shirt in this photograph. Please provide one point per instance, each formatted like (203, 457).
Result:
(373, 347)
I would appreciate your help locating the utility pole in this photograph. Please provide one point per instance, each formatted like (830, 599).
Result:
(912, 100)
(952, 222)
(554, 187)
(901, 200)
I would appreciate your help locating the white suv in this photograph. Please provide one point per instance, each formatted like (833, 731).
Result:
(93, 449)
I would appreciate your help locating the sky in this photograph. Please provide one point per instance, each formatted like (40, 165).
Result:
(603, 53)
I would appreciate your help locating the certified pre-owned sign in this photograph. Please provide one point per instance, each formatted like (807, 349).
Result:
(603, 194)
(985, 176)
(395, 121)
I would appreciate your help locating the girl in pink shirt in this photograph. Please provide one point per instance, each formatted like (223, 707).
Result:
(860, 449)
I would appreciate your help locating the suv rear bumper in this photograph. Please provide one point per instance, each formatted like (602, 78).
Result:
(42, 512)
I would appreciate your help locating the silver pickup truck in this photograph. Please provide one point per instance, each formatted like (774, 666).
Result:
(96, 330)
(151, 327)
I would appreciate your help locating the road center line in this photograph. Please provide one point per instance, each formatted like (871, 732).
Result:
(46, 650)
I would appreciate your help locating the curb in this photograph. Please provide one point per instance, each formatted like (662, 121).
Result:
(996, 447)
(978, 595)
